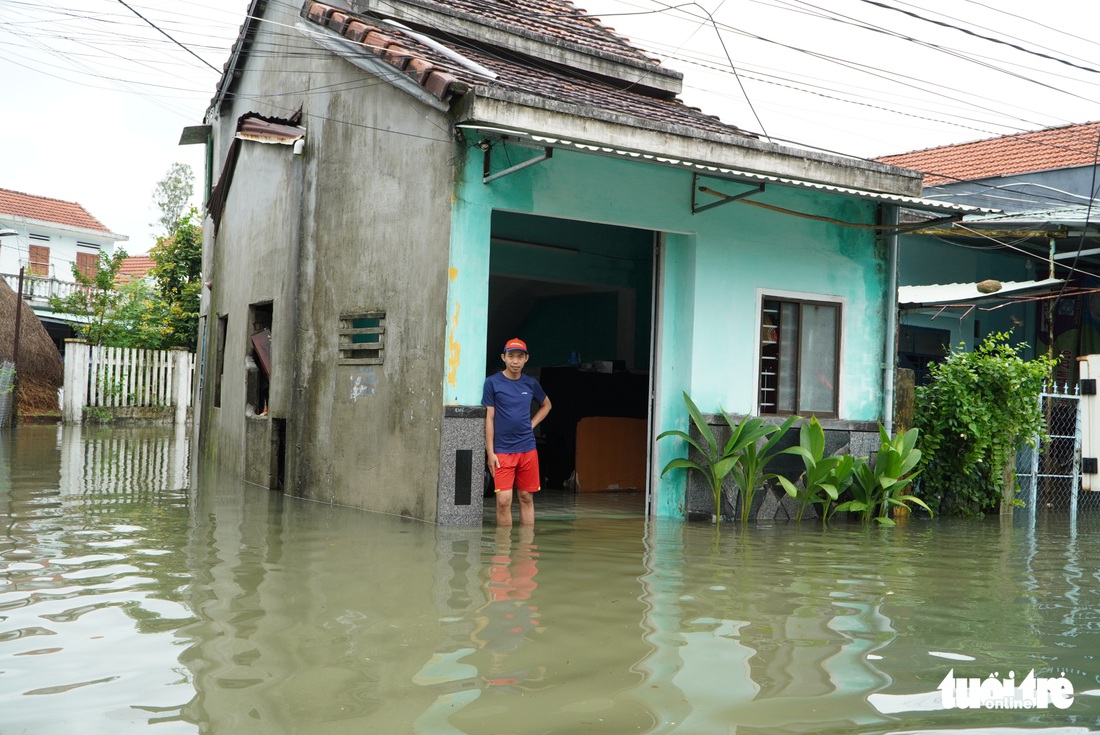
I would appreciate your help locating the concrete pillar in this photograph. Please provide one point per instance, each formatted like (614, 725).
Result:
(77, 354)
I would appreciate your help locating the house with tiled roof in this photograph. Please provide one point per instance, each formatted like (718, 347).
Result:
(135, 267)
(400, 187)
(1045, 243)
(50, 237)
(1034, 170)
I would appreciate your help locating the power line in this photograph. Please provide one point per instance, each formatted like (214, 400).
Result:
(165, 33)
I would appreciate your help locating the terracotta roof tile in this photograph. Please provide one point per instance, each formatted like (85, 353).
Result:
(445, 78)
(71, 214)
(135, 267)
(556, 20)
(1040, 150)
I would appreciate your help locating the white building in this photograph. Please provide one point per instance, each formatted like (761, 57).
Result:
(51, 236)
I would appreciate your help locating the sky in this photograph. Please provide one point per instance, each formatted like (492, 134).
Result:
(96, 92)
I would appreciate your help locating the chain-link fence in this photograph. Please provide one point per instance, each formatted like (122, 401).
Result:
(1050, 477)
(7, 382)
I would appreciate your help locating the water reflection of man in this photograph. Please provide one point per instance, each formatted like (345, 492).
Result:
(508, 618)
(500, 627)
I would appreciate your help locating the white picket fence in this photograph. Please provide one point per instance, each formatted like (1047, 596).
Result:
(116, 377)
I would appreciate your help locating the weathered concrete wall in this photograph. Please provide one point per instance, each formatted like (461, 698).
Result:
(360, 221)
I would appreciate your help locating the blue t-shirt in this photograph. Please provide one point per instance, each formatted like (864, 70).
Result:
(512, 400)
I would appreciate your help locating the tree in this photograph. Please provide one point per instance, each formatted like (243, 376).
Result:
(96, 298)
(178, 275)
(172, 195)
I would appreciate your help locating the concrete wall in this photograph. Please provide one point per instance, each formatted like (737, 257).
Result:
(714, 266)
(360, 221)
(1028, 192)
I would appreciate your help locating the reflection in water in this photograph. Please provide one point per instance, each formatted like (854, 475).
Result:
(497, 629)
(127, 600)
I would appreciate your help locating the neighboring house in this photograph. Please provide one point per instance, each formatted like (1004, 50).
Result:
(403, 188)
(51, 236)
(1042, 180)
(135, 267)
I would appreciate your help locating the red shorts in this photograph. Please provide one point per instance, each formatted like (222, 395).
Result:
(518, 471)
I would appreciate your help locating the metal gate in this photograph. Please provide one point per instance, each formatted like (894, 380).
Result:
(7, 382)
(1049, 478)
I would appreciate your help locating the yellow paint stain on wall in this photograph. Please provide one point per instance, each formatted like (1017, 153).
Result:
(452, 273)
(454, 348)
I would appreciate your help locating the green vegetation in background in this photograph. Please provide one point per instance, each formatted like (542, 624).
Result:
(155, 314)
(976, 411)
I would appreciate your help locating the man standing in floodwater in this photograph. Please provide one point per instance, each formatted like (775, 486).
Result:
(509, 433)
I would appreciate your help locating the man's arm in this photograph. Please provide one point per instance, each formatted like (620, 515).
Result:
(544, 408)
(490, 455)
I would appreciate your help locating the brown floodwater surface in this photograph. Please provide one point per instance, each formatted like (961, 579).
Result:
(136, 596)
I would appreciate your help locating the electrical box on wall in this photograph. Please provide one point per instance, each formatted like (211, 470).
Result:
(1090, 422)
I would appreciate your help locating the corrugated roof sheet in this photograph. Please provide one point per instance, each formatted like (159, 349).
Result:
(45, 209)
(268, 130)
(1069, 217)
(939, 294)
(1040, 150)
(704, 168)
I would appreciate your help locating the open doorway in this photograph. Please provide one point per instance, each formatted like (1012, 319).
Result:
(581, 296)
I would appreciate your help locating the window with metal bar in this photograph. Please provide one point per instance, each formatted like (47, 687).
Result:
(799, 357)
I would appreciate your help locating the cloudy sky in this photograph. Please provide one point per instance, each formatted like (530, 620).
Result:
(96, 92)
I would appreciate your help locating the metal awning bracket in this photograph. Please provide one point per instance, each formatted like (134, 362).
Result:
(724, 198)
(487, 154)
(926, 225)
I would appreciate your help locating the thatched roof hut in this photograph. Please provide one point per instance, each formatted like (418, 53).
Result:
(40, 371)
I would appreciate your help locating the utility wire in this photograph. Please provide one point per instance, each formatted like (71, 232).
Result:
(165, 33)
(979, 35)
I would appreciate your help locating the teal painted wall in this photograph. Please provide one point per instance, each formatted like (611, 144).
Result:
(714, 264)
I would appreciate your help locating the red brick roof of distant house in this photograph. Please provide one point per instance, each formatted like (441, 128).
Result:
(1040, 150)
(45, 209)
(133, 267)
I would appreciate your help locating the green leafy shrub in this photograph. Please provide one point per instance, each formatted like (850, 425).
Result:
(824, 478)
(975, 412)
(880, 487)
(742, 456)
(714, 464)
(751, 458)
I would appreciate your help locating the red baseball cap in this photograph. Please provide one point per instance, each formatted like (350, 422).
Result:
(515, 345)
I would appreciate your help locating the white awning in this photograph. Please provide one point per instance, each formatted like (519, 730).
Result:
(968, 293)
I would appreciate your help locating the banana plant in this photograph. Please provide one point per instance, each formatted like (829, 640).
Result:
(714, 464)
(820, 483)
(880, 487)
(750, 457)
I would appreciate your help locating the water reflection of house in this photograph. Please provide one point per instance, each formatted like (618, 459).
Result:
(401, 189)
(1042, 249)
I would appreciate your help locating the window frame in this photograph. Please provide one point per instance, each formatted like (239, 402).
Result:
(38, 260)
(801, 298)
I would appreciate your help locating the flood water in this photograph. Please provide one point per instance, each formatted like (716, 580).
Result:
(136, 598)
